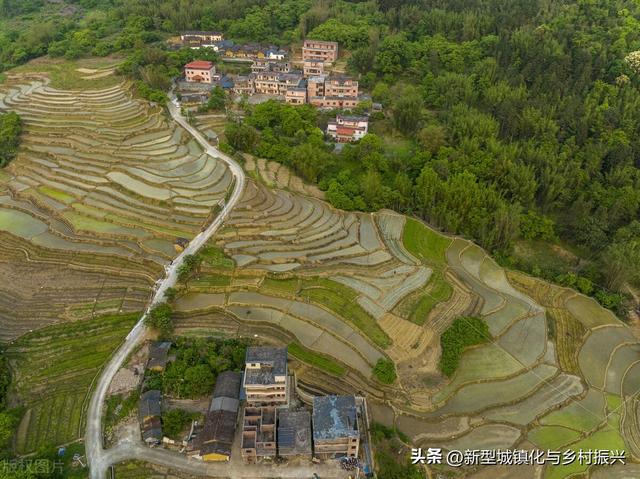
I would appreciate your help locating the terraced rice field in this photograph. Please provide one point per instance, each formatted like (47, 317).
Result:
(100, 190)
(276, 175)
(54, 368)
(559, 368)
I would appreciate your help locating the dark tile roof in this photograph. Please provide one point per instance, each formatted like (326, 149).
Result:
(228, 385)
(273, 362)
(218, 432)
(294, 432)
(158, 353)
(152, 429)
(334, 417)
(150, 404)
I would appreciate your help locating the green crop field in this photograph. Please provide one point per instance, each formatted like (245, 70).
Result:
(424, 243)
(53, 369)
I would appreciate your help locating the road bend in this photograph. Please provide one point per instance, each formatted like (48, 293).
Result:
(98, 458)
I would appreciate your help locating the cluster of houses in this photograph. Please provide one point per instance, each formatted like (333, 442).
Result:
(278, 77)
(258, 402)
(307, 83)
(227, 48)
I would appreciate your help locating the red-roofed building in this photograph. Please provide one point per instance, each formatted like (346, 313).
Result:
(200, 71)
(348, 128)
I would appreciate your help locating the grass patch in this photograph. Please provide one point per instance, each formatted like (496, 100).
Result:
(286, 287)
(53, 369)
(416, 307)
(215, 257)
(463, 332)
(385, 371)
(316, 359)
(343, 301)
(64, 74)
(424, 243)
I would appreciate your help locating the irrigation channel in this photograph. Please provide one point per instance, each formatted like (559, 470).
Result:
(97, 456)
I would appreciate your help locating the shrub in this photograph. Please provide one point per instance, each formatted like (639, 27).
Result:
(464, 332)
(175, 421)
(159, 318)
(10, 130)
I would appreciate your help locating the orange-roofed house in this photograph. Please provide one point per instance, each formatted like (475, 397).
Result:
(200, 71)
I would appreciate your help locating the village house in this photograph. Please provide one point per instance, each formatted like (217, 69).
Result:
(216, 439)
(269, 65)
(200, 71)
(294, 434)
(335, 427)
(335, 92)
(243, 85)
(270, 83)
(312, 68)
(296, 95)
(265, 377)
(202, 36)
(158, 356)
(320, 50)
(348, 128)
(258, 433)
(149, 415)
(276, 54)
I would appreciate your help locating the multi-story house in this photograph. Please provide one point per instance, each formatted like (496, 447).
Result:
(342, 87)
(268, 65)
(313, 68)
(320, 50)
(272, 83)
(335, 426)
(296, 95)
(265, 377)
(200, 71)
(348, 128)
(315, 86)
(336, 92)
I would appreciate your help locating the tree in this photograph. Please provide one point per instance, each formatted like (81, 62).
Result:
(464, 332)
(217, 99)
(242, 137)
(10, 130)
(407, 111)
(432, 137)
(190, 264)
(175, 421)
(159, 318)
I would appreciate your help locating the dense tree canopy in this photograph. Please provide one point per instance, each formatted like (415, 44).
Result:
(10, 129)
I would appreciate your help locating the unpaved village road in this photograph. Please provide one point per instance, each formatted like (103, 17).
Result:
(98, 458)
